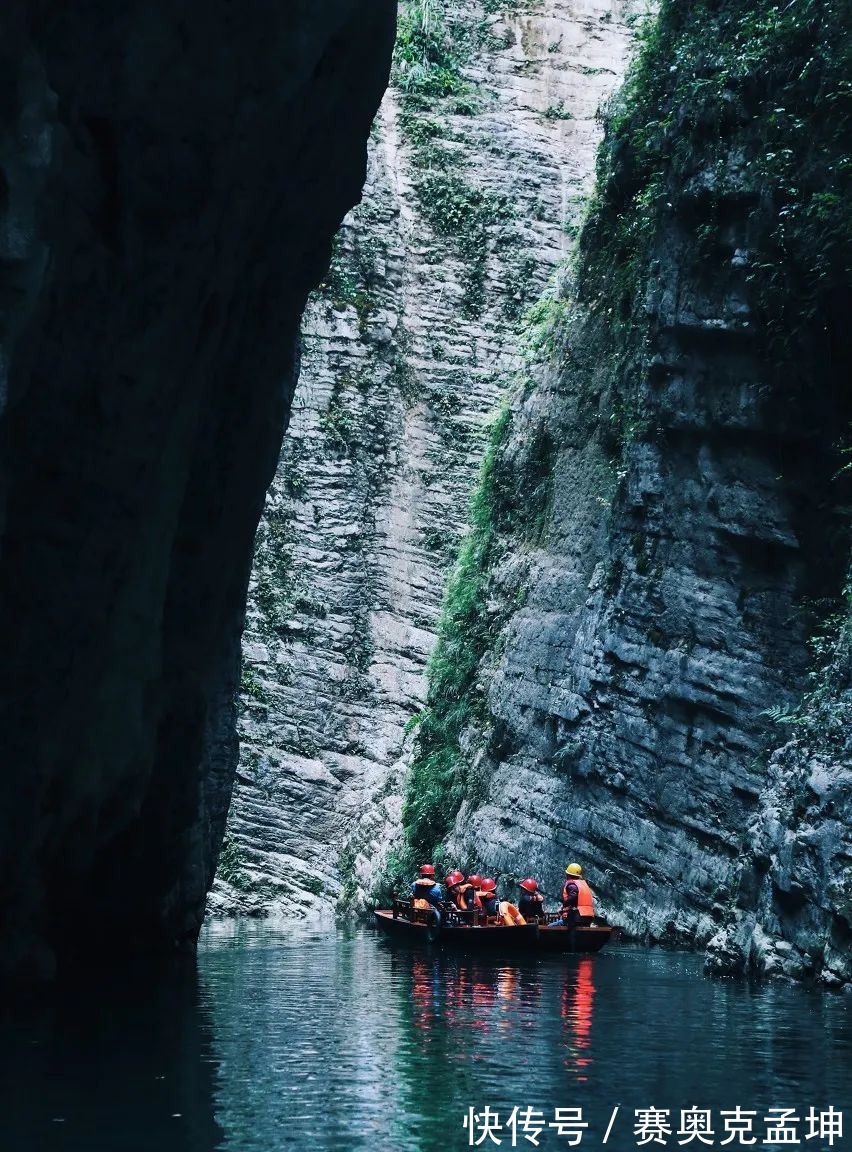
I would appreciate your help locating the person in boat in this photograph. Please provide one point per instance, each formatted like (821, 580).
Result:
(511, 914)
(505, 910)
(469, 891)
(577, 900)
(460, 892)
(487, 893)
(426, 893)
(530, 901)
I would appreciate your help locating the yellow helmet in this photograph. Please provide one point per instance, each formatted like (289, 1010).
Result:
(573, 870)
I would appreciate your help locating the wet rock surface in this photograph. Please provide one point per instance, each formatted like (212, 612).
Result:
(170, 179)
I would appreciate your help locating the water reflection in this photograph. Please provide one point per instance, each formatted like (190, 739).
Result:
(577, 1004)
(486, 1033)
(337, 1043)
(462, 994)
(481, 997)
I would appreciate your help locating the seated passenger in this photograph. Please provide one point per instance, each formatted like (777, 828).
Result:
(531, 901)
(459, 891)
(488, 897)
(467, 893)
(505, 910)
(510, 914)
(425, 893)
(475, 881)
(577, 901)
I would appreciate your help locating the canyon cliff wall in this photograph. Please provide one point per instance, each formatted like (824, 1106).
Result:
(653, 582)
(480, 162)
(171, 176)
(643, 646)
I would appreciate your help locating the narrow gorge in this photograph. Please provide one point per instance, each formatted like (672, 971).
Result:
(502, 521)
(643, 654)
(425, 451)
(481, 161)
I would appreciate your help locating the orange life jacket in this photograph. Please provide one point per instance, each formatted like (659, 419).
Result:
(585, 900)
(465, 897)
(510, 915)
(472, 897)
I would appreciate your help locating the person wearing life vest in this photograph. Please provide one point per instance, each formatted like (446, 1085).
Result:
(488, 902)
(475, 882)
(530, 901)
(507, 912)
(467, 893)
(510, 914)
(577, 901)
(459, 891)
(426, 894)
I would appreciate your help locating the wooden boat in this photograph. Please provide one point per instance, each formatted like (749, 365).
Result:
(556, 937)
(470, 930)
(421, 927)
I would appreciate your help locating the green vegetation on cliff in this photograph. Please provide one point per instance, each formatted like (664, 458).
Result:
(430, 50)
(436, 40)
(438, 779)
(728, 102)
(509, 506)
(731, 100)
(735, 102)
(821, 722)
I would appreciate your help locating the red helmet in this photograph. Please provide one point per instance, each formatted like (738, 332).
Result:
(454, 878)
(427, 869)
(529, 885)
(488, 885)
(475, 879)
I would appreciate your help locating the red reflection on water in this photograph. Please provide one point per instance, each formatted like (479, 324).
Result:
(472, 997)
(578, 995)
(423, 999)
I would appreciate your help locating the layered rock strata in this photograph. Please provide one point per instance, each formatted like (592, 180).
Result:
(170, 179)
(479, 165)
(696, 527)
(791, 915)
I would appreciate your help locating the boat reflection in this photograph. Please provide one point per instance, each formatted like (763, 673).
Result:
(478, 997)
(472, 994)
(479, 1017)
(576, 1009)
(354, 1043)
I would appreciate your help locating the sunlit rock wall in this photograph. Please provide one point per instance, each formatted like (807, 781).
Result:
(471, 201)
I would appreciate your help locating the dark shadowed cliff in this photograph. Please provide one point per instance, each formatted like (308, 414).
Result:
(170, 179)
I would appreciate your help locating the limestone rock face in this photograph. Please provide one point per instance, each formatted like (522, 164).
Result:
(697, 528)
(628, 704)
(471, 201)
(791, 912)
(170, 178)
(662, 515)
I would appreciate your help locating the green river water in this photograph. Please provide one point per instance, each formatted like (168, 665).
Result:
(326, 1042)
